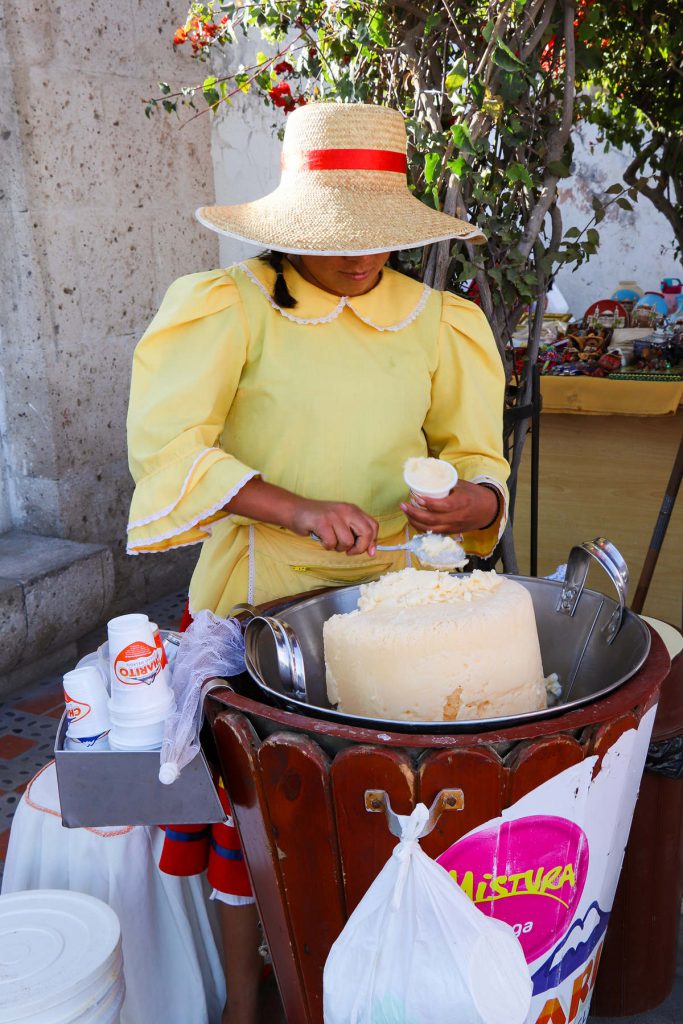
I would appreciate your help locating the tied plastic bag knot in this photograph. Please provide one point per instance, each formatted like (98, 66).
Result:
(412, 828)
(416, 950)
(212, 647)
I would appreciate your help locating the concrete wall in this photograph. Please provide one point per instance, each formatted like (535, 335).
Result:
(634, 246)
(96, 221)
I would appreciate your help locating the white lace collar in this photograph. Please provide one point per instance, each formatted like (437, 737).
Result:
(396, 293)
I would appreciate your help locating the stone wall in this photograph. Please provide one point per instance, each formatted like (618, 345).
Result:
(96, 219)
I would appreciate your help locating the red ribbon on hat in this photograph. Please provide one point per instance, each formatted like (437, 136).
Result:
(346, 160)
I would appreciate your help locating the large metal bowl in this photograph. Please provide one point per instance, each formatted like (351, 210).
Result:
(591, 642)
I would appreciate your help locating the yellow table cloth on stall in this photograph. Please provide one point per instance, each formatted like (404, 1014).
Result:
(596, 396)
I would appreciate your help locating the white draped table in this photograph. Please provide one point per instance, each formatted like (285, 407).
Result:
(172, 963)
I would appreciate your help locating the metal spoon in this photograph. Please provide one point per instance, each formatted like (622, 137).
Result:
(437, 560)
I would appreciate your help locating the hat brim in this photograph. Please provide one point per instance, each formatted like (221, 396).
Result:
(337, 222)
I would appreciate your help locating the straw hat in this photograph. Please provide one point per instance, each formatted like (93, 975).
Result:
(343, 190)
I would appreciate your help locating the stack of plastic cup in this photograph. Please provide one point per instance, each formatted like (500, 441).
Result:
(86, 698)
(141, 698)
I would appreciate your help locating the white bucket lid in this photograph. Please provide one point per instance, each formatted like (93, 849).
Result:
(60, 952)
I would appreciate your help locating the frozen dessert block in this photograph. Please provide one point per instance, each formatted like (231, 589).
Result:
(431, 647)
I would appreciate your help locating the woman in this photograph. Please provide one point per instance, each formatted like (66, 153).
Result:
(280, 398)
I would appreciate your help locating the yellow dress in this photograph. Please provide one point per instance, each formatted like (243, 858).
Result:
(327, 400)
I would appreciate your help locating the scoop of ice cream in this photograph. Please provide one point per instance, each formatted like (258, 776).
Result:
(427, 475)
(440, 551)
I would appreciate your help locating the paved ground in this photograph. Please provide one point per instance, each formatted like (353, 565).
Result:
(28, 725)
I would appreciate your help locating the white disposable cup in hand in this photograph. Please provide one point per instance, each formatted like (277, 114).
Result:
(438, 492)
(85, 697)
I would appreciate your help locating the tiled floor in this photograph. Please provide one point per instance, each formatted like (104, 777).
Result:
(27, 730)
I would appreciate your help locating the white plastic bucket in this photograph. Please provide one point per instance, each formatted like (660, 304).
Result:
(60, 959)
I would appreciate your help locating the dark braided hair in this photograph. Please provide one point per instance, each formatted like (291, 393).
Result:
(281, 293)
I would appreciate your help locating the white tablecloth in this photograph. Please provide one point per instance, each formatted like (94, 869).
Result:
(172, 964)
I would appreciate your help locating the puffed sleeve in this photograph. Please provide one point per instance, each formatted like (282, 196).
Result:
(186, 370)
(464, 425)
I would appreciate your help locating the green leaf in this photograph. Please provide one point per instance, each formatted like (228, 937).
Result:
(614, 189)
(165, 88)
(624, 203)
(456, 76)
(517, 172)
(462, 137)
(505, 58)
(592, 236)
(433, 20)
(458, 166)
(432, 161)
(572, 233)
(377, 27)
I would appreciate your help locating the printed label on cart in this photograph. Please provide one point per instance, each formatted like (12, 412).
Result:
(529, 873)
(137, 663)
(76, 710)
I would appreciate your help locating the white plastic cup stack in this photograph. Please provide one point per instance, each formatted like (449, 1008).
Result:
(85, 697)
(141, 697)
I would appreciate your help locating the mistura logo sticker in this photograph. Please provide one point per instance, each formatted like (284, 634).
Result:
(529, 873)
(137, 663)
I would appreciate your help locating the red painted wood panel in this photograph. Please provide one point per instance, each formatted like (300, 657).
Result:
(236, 743)
(296, 782)
(481, 776)
(365, 842)
(607, 735)
(535, 762)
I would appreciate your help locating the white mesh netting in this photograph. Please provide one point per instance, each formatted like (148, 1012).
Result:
(210, 648)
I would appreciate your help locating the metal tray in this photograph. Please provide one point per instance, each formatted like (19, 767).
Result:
(593, 643)
(114, 787)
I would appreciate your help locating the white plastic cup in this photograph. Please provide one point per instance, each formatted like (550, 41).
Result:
(138, 729)
(410, 469)
(85, 697)
(159, 644)
(139, 678)
(85, 743)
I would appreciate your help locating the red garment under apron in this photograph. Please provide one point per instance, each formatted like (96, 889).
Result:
(189, 849)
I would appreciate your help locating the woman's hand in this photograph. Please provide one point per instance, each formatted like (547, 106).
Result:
(340, 526)
(468, 507)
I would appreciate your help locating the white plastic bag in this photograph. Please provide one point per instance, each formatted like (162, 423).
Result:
(210, 647)
(416, 950)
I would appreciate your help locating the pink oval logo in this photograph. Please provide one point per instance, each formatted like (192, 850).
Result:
(529, 873)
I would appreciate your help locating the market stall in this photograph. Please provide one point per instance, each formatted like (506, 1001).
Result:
(614, 436)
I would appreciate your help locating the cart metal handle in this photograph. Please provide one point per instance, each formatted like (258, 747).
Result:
(377, 800)
(578, 563)
(290, 660)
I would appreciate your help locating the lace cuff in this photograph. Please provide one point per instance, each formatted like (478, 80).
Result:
(199, 487)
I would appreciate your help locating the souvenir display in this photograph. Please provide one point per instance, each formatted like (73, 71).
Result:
(633, 334)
